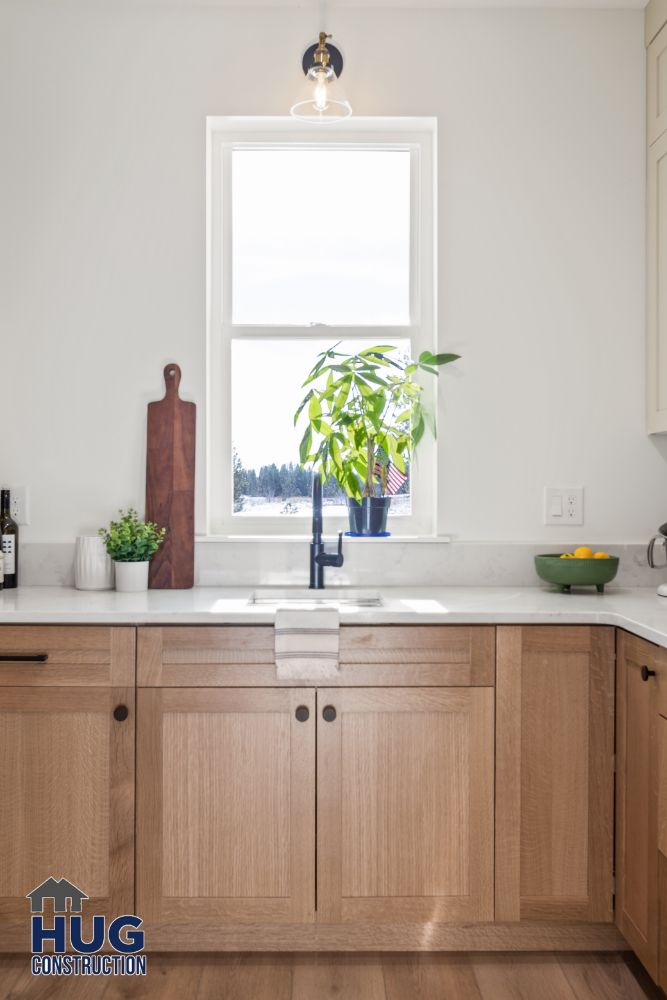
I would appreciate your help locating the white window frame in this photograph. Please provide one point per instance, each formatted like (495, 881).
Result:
(224, 134)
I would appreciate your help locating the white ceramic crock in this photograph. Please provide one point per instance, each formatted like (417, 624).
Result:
(93, 569)
(131, 577)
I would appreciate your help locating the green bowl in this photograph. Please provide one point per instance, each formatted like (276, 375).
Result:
(566, 573)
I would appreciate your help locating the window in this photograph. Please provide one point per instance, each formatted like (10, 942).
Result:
(312, 240)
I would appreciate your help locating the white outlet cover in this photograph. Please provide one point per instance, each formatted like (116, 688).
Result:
(564, 505)
(19, 506)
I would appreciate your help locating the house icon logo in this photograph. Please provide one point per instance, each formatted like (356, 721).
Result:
(60, 891)
(63, 945)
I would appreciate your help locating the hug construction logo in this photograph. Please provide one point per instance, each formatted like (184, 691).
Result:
(72, 955)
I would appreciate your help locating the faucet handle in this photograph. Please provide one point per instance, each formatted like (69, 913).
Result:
(339, 557)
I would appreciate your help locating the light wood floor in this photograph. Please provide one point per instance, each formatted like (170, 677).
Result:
(349, 977)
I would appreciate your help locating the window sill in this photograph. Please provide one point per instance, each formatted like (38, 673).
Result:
(348, 539)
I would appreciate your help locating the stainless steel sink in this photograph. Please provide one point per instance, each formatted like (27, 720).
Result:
(338, 596)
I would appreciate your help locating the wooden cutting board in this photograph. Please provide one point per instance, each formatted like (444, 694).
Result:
(170, 484)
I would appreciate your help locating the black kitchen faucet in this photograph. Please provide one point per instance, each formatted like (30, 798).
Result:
(319, 557)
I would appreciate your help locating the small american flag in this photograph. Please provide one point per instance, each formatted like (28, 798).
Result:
(395, 478)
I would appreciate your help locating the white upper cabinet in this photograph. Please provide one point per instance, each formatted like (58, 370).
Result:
(656, 221)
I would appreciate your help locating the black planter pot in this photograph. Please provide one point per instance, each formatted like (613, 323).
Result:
(368, 517)
(355, 513)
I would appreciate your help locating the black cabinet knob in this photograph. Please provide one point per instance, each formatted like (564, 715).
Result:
(302, 713)
(646, 673)
(120, 713)
(328, 713)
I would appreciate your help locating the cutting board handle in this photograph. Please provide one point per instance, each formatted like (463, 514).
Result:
(172, 380)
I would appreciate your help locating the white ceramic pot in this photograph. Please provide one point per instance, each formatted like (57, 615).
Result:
(93, 568)
(131, 577)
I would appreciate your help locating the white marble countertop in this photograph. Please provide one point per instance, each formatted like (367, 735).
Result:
(639, 611)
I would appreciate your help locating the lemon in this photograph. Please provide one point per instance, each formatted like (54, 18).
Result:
(583, 552)
(601, 555)
(567, 555)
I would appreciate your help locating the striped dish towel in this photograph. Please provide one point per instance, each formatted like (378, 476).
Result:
(306, 643)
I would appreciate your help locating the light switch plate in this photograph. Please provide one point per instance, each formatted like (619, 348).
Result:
(564, 505)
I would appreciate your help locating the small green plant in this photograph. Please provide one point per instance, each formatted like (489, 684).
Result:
(132, 540)
(364, 411)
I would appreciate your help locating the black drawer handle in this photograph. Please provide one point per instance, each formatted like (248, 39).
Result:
(120, 713)
(23, 657)
(646, 673)
(302, 713)
(328, 713)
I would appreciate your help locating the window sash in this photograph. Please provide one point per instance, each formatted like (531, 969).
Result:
(226, 134)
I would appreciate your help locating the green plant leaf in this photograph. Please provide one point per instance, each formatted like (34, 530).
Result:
(304, 447)
(314, 408)
(303, 402)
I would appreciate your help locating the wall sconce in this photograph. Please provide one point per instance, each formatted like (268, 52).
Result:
(322, 99)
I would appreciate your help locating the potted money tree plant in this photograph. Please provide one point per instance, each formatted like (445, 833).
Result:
(365, 415)
(132, 543)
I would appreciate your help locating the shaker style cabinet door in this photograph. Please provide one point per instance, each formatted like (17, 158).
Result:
(225, 809)
(637, 745)
(656, 279)
(405, 805)
(66, 770)
(656, 86)
(554, 773)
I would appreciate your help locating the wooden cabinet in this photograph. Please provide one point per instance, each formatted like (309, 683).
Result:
(230, 780)
(225, 808)
(638, 738)
(662, 841)
(66, 768)
(554, 773)
(405, 805)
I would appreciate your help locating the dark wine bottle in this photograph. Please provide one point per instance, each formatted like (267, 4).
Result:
(9, 536)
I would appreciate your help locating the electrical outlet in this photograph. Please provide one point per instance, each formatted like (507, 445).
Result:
(19, 507)
(564, 505)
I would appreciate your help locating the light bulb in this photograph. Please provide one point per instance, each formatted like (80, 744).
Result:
(320, 92)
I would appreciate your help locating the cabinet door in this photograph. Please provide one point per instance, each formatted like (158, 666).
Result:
(662, 848)
(656, 86)
(405, 805)
(637, 798)
(554, 773)
(656, 279)
(225, 807)
(67, 800)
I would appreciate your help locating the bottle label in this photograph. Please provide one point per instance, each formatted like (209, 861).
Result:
(9, 553)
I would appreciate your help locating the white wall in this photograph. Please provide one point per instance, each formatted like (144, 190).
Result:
(541, 270)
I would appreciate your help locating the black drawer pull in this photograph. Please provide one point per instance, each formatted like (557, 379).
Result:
(23, 657)
(120, 713)
(302, 713)
(646, 673)
(328, 713)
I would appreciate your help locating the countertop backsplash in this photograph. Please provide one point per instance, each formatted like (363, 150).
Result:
(410, 563)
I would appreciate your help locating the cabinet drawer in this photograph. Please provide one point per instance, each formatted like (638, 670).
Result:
(77, 656)
(378, 655)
